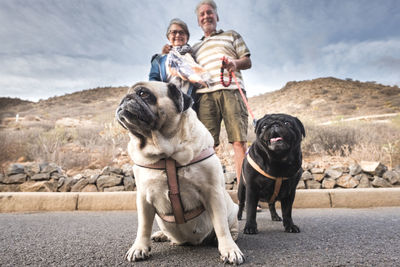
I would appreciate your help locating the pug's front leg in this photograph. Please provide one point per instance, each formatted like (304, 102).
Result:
(252, 199)
(288, 224)
(230, 252)
(140, 250)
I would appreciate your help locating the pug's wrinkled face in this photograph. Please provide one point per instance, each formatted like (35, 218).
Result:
(137, 111)
(151, 106)
(279, 133)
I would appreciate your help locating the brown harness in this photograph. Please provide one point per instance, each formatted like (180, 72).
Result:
(278, 180)
(170, 166)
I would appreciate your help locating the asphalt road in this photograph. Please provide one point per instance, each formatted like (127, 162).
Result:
(329, 237)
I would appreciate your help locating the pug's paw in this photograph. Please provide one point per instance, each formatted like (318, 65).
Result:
(232, 255)
(137, 253)
(159, 236)
(276, 218)
(250, 229)
(292, 229)
(239, 215)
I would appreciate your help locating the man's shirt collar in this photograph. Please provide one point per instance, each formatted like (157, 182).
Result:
(212, 34)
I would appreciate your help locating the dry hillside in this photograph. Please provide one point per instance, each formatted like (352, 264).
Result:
(94, 104)
(78, 130)
(317, 100)
(329, 98)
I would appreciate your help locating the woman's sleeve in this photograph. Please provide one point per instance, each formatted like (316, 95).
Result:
(154, 74)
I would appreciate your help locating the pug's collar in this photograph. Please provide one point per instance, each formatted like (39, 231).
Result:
(161, 164)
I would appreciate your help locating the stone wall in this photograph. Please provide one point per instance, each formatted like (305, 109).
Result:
(48, 177)
(366, 174)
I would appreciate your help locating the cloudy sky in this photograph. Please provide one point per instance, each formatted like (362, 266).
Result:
(53, 47)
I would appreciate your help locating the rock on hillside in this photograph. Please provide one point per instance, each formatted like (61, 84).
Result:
(325, 98)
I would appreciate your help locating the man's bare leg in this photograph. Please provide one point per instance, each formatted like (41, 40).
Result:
(239, 149)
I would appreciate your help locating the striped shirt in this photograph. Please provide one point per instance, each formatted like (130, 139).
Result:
(209, 52)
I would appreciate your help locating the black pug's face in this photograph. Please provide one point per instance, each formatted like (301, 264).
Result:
(151, 106)
(279, 133)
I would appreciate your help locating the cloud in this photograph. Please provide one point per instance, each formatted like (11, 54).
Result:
(43, 76)
(55, 47)
(364, 60)
(377, 60)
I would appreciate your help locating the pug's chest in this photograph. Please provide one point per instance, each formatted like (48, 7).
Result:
(267, 186)
(158, 195)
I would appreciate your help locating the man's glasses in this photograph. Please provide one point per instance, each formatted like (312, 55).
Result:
(176, 32)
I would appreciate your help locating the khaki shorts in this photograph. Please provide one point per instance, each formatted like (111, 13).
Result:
(224, 105)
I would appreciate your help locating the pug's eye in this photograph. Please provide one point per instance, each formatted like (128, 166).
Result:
(143, 94)
(287, 123)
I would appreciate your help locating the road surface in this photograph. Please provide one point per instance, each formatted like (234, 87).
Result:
(329, 237)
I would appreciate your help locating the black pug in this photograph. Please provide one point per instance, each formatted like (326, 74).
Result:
(272, 170)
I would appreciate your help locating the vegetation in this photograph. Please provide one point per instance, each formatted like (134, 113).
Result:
(92, 139)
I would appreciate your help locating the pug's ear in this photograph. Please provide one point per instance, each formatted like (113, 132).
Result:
(259, 124)
(187, 101)
(181, 100)
(301, 126)
(257, 128)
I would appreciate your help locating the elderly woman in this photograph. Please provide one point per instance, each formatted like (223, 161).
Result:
(176, 61)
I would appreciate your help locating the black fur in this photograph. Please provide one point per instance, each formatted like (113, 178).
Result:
(181, 100)
(277, 150)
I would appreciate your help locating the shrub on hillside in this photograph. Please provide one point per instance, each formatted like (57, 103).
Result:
(360, 141)
(67, 147)
(333, 140)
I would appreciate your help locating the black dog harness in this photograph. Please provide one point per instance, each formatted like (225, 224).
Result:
(278, 180)
(170, 166)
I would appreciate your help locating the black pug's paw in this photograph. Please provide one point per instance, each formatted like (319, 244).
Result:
(276, 218)
(239, 215)
(292, 228)
(250, 229)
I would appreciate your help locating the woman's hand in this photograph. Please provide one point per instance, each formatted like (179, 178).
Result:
(166, 48)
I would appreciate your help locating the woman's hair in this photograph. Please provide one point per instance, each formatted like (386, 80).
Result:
(180, 23)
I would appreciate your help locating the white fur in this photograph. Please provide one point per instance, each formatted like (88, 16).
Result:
(181, 137)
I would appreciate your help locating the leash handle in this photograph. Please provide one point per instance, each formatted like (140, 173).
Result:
(232, 74)
(222, 74)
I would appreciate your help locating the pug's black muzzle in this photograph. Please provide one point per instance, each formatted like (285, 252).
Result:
(135, 115)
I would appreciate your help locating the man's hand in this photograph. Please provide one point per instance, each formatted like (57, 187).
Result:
(236, 64)
(229, 64)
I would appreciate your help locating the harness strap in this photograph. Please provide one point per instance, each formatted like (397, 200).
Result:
(277, 188)
(170, 166)
(278, 180)
(174, 194)
(191, 214)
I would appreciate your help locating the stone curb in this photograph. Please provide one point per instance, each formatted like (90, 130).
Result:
(309, 198)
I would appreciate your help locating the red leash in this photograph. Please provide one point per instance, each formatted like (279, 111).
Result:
(238, 86)
(222, 74)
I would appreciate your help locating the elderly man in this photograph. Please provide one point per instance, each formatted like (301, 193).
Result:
(219, 102)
